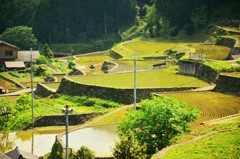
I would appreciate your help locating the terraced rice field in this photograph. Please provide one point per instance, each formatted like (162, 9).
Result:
(52, 85)
(213, 51)
(145, 48)
(92, 60)
(150, 79)
(7, 85)
(212, 104)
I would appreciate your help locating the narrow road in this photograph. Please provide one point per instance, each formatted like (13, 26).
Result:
(22, 91)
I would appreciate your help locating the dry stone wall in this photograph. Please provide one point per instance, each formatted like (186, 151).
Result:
(125, 96)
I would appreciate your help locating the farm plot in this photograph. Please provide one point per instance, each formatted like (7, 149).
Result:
(145, 48)
(212, 104)
(150, 79)
(213, 51)
(53, 85)
(7, 85)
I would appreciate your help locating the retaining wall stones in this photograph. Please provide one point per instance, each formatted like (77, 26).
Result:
(43, 91)
(60, 120)
(228, 84)
(121, 95)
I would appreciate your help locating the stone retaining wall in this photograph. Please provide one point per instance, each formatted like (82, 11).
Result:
(43, 90)
(121, 95)
(60, 120)
(228, 84)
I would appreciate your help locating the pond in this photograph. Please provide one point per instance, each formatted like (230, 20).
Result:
(100, 139)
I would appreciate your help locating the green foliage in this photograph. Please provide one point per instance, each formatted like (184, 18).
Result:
(158, 121)
(87, 101)
(57, 151)
(6, 114)
(23, 102)
(129, 148)
(41, 70)
(41, 60)
(83, 153)
(47, 52)
(21, 36)
(16, 12)
(80, 20)
(199, 17)
(15, 74)
(222, 66)
(71, 64)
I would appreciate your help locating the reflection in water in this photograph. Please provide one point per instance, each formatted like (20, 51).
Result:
(99, 139)
(5, 143)
(40, 145)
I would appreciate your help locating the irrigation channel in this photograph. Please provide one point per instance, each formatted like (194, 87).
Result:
(99, 138)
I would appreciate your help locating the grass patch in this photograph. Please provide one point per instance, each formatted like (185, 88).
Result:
(116, 117)
(215, 146)
(151, 79)
(221, 66)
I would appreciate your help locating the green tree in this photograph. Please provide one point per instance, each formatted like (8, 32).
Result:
(57, 151)
(71, 64)
(47, 52)
(21, 36)
(83, 153)
(5, 113)
(158, 121)
(23, 102)
(129, 147)
(41, 60)
(199, 18)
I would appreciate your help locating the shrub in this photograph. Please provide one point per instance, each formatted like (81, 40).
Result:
(23, 102)
(83, 153)
(41, 60)
(57, 151)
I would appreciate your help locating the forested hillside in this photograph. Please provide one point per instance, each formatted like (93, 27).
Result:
(67, 21)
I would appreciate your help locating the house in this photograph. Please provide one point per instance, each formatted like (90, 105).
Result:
(12, 58)
(25, 56)
(20, 154)
(8, 52)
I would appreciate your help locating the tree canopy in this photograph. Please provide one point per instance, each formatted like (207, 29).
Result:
(20, 36)
(158, 121)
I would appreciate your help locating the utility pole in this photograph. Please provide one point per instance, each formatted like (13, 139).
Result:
(32, 89)
(135, 82)
(66, 110)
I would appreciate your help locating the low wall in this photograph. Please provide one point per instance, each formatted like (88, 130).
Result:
(108, 66)
(228, 84)
(226, 42)
(60, 120)
(43, 91)
(121, 95)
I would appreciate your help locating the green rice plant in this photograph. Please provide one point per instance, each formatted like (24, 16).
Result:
(92, 60)
(217, 146)
(15, 74)
(148, 79)
(221, 66)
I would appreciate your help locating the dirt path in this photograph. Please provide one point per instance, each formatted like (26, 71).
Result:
(27, 90)
(161, 153)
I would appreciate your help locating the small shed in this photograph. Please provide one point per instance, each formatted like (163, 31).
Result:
(14, 65)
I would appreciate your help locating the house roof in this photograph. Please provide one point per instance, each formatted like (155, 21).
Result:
(25, 56)
(14, 64)
(2, 156)
(14, 154)
(9, 45)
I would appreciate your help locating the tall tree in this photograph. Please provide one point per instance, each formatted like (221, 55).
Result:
(158, 121)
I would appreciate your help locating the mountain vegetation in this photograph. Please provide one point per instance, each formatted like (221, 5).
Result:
(74, 21)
